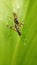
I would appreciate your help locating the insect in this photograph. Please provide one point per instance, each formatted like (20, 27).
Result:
(17, 24)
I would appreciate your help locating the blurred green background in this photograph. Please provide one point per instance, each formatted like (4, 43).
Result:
(15, 50)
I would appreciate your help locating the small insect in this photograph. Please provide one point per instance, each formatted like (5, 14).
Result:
(17, 24)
